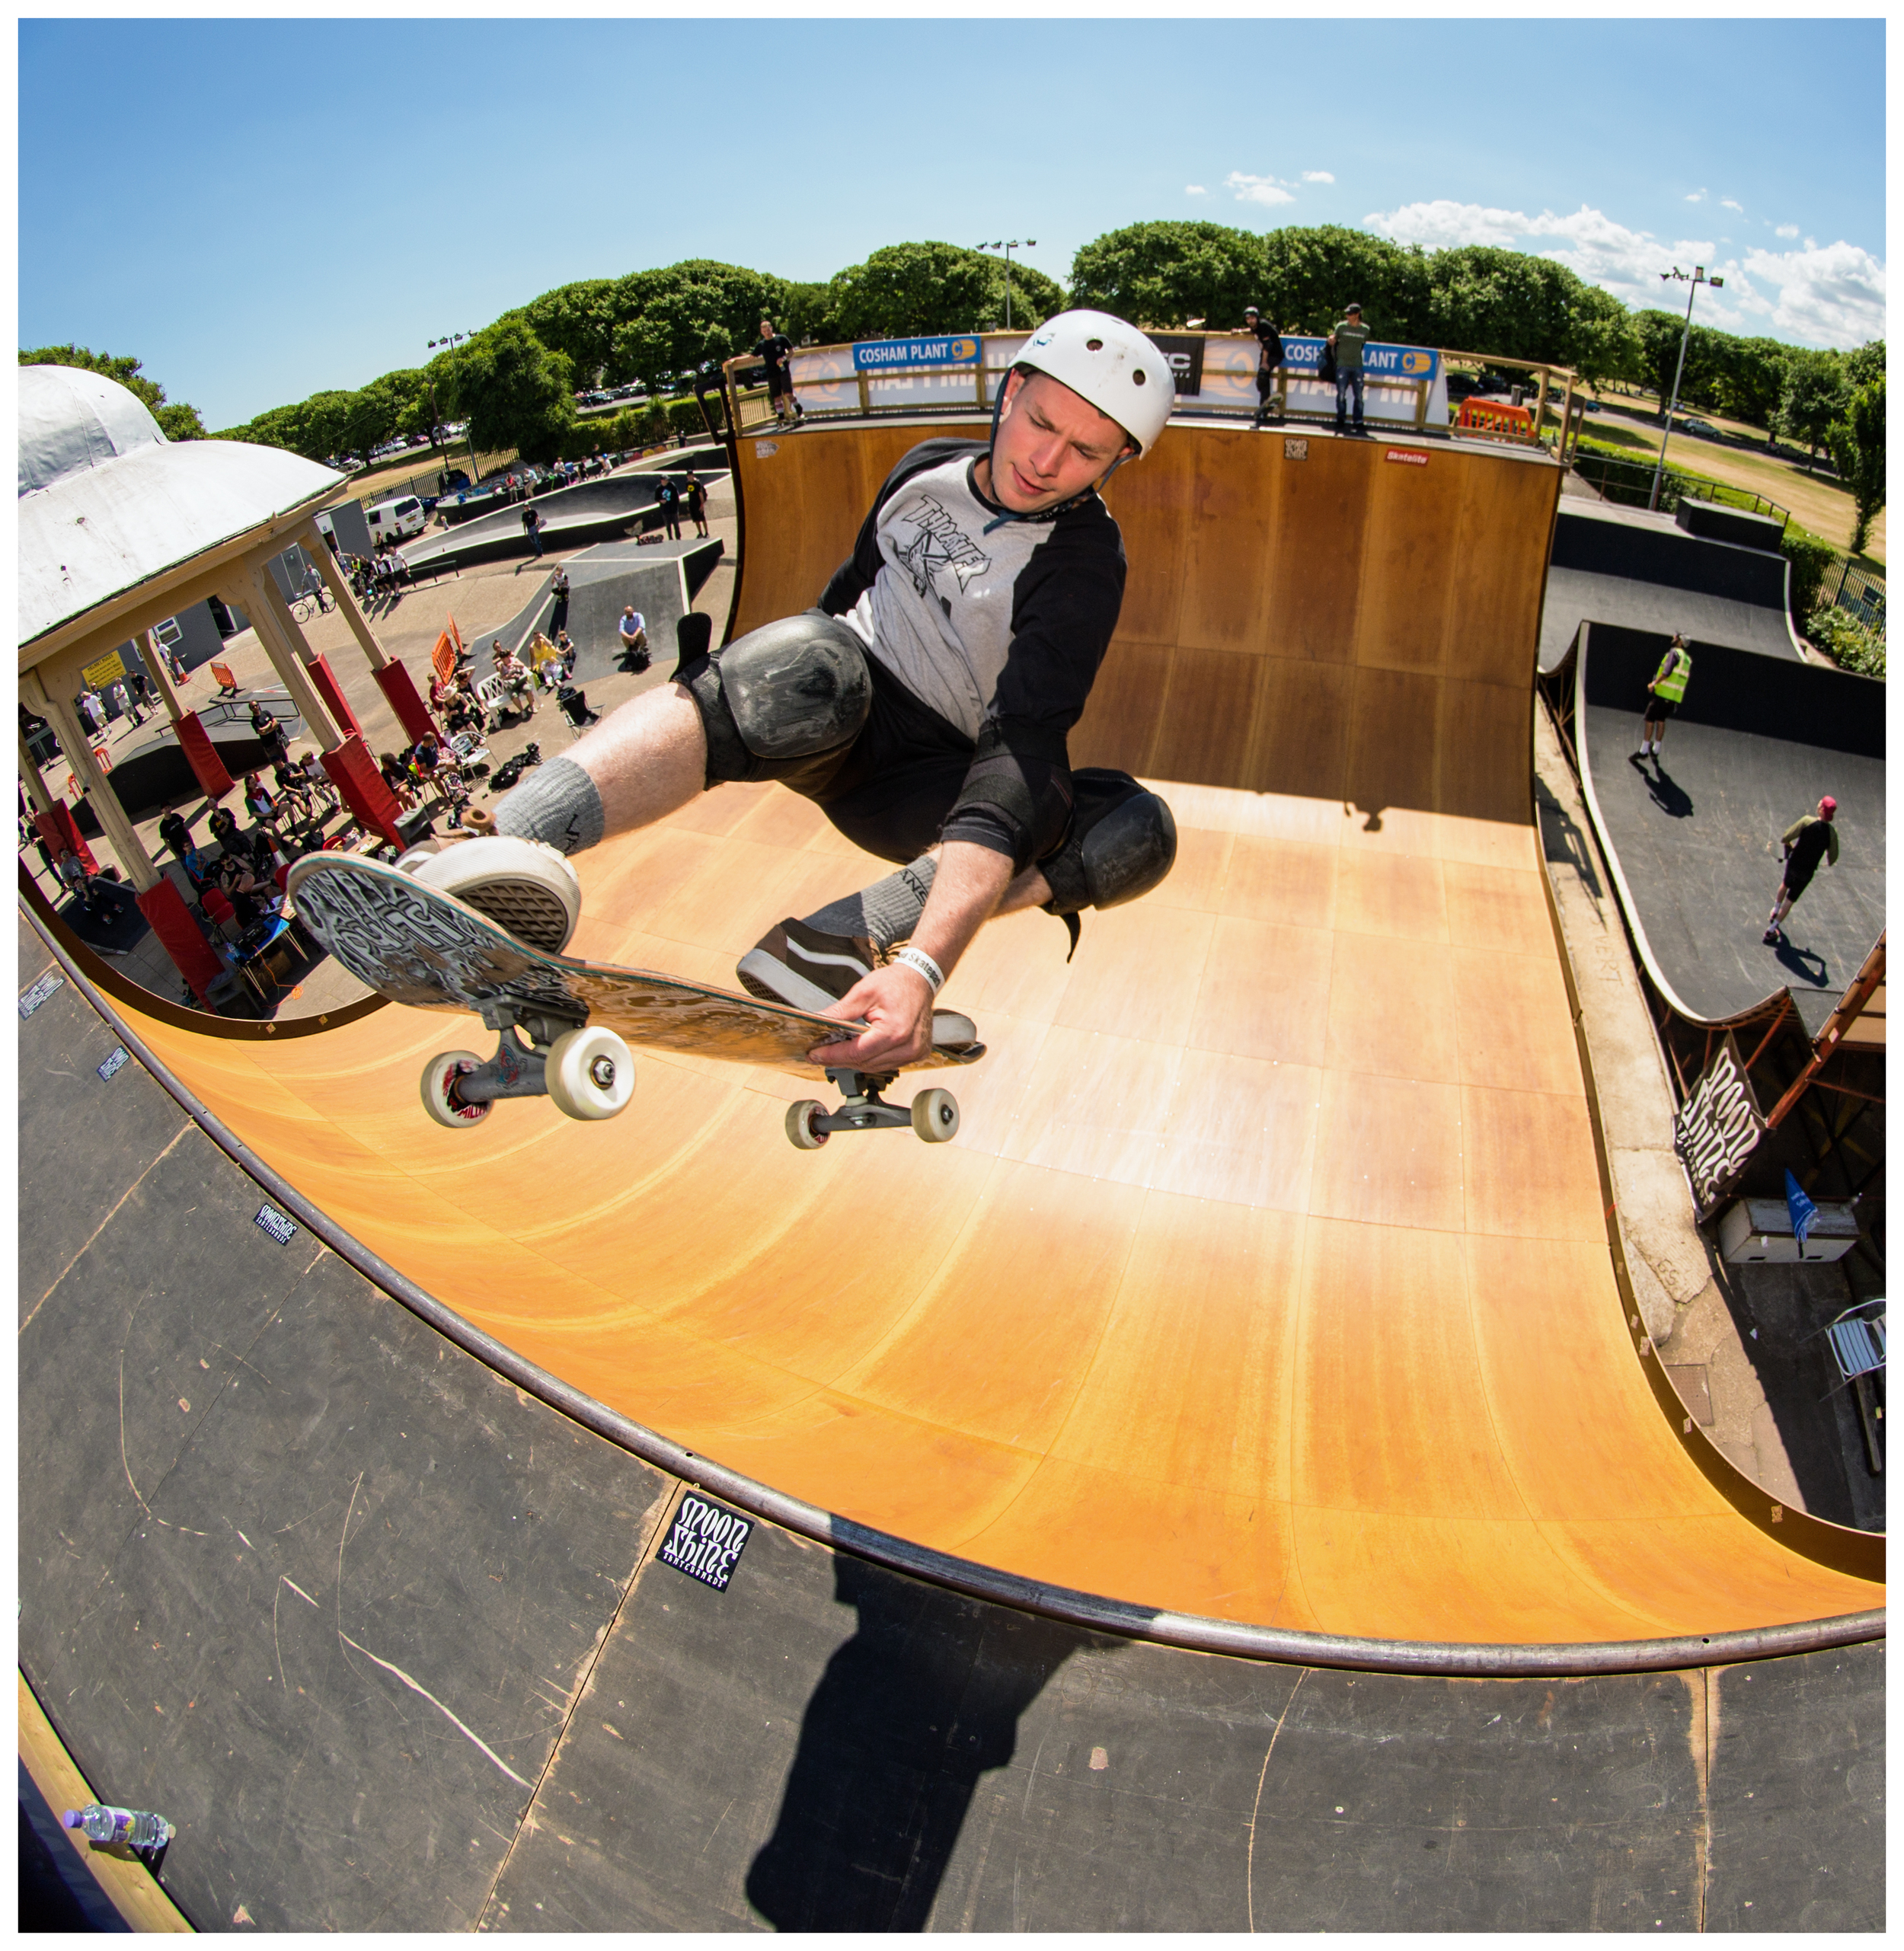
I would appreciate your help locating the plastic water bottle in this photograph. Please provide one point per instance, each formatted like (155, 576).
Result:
(138, 1827)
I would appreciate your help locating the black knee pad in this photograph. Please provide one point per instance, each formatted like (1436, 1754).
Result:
(788, 691)
(1122, 842)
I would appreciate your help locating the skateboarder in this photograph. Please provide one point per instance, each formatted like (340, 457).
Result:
(775, 348)
(1269, 358)
(1806, 841)
(924, 705)
(1663, 695)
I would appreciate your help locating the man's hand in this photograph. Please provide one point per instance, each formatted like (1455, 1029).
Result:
(896, 1003)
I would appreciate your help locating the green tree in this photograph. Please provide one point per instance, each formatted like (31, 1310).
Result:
(909, 289)
(514, 391)
(578, 320)
(1865, 363)
(176, 421)
(1857, 441)
(1751, 380)
(1164, 274)
(1815, 396)
(1314, 272)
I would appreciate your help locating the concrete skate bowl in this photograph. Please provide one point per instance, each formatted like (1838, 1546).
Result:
(1264, 1306)
(572, 518)
(1268, 1277)
(661, 580)
(1692, 841)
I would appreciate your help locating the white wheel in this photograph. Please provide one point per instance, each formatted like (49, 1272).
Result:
(935, 1116)
(590, 1073)
(438, 1074)
(800, 1124)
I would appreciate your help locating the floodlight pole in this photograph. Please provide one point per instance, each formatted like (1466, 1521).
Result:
(469, 430)
(1698, 278)
(1017, 243)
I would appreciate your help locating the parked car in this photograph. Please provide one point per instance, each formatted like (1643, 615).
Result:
(1704, 427)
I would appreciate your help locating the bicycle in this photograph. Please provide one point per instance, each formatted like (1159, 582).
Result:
(306, 604)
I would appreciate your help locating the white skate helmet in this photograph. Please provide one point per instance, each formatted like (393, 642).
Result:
(1111, 365)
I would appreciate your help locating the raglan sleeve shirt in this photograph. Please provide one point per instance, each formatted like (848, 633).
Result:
(999, 625)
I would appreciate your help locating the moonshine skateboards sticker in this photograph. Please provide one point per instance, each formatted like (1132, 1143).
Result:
(705, 1542)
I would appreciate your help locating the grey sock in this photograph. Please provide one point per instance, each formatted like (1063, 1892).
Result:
(556, 804)
(885, 913)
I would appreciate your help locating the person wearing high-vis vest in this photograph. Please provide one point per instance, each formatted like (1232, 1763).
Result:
(1664, 694)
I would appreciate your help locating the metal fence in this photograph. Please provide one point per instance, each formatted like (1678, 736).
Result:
(1630, 484)
(1857, 592)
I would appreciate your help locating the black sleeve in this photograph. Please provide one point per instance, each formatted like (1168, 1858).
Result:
(856, 574)
(1017, 797)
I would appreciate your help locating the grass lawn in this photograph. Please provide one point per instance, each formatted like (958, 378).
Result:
(1816, 504)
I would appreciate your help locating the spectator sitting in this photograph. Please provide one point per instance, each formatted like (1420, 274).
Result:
(396, 776)
(219, 911)
(565, 651)
(71, 870)
(516, 679)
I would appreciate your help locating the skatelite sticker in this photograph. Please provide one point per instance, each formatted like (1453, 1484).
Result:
(705, 1542)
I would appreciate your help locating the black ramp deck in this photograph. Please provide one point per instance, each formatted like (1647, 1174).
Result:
(1695, 839)
(386, 1637)
(1642, 571)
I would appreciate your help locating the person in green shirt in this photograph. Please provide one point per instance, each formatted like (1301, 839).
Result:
(1664, 692)
(1806, 841)
(1346, 342)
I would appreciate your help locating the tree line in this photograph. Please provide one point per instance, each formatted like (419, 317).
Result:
(515, 381)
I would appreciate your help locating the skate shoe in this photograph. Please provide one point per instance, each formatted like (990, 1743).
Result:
(793, 964)
(527, 889)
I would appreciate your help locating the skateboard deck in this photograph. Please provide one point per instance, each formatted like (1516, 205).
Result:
(416, 945)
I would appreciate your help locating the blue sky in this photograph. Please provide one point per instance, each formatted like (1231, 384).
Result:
(258, 210)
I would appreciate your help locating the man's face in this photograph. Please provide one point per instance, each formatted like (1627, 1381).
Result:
(1051, 445)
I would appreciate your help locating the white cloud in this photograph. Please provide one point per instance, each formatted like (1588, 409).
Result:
(1786, 230)
(1833, 296)
(1316, 176)
(1256, 189)
(1195, 190)
(1696, 196)
(1725, 202)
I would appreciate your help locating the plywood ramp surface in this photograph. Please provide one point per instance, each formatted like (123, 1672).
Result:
(1267, 1277)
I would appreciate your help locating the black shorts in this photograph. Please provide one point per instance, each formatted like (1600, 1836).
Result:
(890, 789)
(779, 383)
(1797, 880)
(1660, 709)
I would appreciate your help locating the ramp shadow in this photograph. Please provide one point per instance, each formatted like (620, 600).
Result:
(923, 1700)
(1804, 965)
(1668, 794)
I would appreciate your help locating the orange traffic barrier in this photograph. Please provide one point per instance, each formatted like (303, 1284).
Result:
(1495, 416)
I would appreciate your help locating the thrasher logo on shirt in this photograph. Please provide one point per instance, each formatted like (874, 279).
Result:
(939, 544)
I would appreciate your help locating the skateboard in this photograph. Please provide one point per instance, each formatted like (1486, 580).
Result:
(564, 1026)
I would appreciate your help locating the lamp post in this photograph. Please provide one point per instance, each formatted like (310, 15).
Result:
(448, 340)
(1698, 278)
(1016, 243)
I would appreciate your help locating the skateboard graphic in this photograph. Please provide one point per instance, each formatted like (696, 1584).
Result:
(564, 1026)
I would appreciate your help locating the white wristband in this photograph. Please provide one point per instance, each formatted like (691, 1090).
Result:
(917, 958)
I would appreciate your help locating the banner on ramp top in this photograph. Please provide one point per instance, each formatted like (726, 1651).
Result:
(1410, 364)
(886, 355)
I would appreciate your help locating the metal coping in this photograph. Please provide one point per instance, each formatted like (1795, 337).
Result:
(1189, 1631)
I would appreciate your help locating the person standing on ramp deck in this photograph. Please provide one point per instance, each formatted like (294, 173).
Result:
(924, 705)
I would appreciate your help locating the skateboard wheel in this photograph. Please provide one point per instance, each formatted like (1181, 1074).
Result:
(935, 1116)
(590, 1073)
(439, 1074)
(800, 1124)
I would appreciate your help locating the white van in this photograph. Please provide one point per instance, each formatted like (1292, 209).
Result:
(391, 521)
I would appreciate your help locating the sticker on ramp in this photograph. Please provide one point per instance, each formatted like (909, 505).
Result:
(31, 999)
(281, 1226)
(1407, 455)
(113, 1064)
(706, 1542)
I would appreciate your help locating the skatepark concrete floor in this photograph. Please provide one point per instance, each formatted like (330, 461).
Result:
(481, 600)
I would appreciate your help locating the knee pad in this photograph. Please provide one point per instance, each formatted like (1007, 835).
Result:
(1122, 842)
(789, 690)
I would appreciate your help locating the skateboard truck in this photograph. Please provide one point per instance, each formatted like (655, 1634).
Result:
(933, 1115)
(589, 1074)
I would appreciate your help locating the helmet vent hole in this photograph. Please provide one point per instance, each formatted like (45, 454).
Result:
(1137, 377)
(1094, 345)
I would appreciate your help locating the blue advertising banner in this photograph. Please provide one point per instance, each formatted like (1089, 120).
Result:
(1378, 362)
(885, 355)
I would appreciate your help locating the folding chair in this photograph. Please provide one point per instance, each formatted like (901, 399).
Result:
(1856, 1346)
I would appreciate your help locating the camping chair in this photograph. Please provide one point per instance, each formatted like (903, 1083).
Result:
(1856, 1346)
(228, 684)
